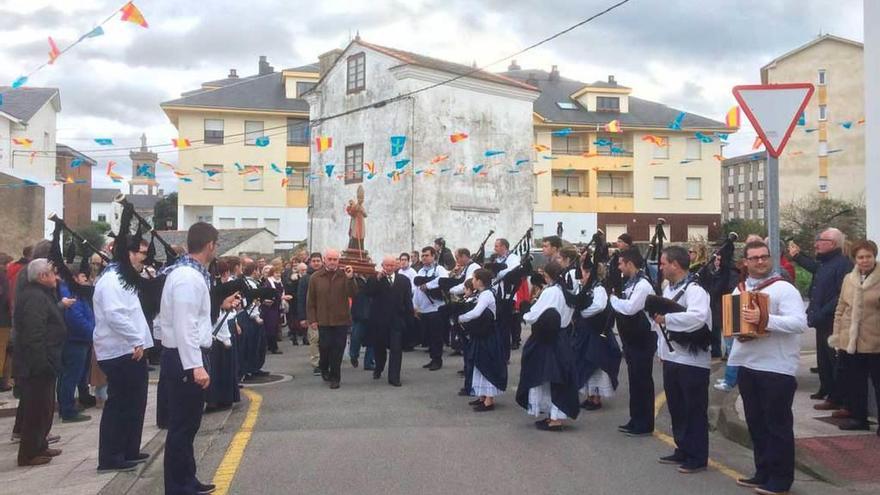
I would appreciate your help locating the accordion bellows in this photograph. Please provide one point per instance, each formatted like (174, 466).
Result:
(733, 323)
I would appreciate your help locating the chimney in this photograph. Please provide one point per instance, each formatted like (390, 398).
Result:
(264, 66)
(611, 80)
(554, 73)
(326, 60)
(232, 74)
(532, 80)
(513, 66)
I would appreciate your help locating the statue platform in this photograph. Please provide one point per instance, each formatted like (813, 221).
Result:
(359, 260)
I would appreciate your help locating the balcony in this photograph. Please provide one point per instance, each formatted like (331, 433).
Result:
(577, 202)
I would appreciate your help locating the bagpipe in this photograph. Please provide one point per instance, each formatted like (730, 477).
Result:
(595, 254)
(144, 227)
(514, 277)
(699, 340)
(61, 260)
(707, 276)
(480, 256)
(655, 250)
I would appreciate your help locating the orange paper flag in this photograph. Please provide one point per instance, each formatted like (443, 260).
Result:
(718, 157)
(370, 166)
(458, 136)
(23, 142)
(130, 13)
(181, 143)
(613, 126)
(655, 140)
(540, 148)
(54, 52)
(758, 143)
(438, 159)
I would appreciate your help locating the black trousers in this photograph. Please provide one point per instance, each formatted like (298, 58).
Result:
(767, 400)
(434, 325)
(36, 404)
(185, 406)
(640, 370)
(122, 422)
(687, 396)
(856, 369)
(395, 358)
(162, 401)
(505, 322)
(826, 362)
(331, 344)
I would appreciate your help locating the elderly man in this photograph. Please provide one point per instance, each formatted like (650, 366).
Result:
(327, 312)
(39, 339)
(828, 269)
(391, 311)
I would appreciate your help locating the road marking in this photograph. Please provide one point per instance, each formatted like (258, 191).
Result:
(659, 401)
(231, 460)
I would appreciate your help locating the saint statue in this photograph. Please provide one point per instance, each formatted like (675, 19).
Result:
(356, 228)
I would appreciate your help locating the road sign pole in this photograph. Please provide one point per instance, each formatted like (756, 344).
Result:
(773, 211)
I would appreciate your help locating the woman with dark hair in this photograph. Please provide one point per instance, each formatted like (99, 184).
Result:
(548, 376)
(223, 387)
(856, 335)
(271, 313)
(485, 352)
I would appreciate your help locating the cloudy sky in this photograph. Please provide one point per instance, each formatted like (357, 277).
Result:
(684, 53)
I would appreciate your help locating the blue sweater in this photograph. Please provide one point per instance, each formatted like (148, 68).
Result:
(828, 271)
(79, 318)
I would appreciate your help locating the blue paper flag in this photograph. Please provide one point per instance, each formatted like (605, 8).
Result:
(21, 81)
(477, 168)
(686, 161)
(185, 179)
(143, 170)
(400, 164)
(489, 153)
(104, 141)
(29, 182)
(397, 144)
(676, 124)
(520, 162)
(94, 33)
(371, 176)
(548, 157)
(238, 167)
(1, 100)
(262, 141)
(328, 169)
(255, 179)
(76, 162)
(722, 135)
(810, 130)
(275, 168)
(802, 120)
(81, 181)
(615, 149)
(444, 170)
(513, 171)
(603, 142)
(562, 132)
(846, 125)
(702, 137)
(838, 150)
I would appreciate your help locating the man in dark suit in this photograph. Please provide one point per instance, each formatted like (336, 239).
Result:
(391, 310)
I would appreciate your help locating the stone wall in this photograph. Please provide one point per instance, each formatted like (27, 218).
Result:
(22, 215)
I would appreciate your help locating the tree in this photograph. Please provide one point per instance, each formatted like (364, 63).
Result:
(165, 213)
(802, 219)
(94, 233)
(744, 228)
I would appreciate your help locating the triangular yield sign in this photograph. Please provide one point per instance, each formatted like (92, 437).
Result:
(773, 110)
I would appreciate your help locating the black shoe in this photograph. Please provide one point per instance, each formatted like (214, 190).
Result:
(538, 422)
(408, 349)
(334, 385)
(814, 371)
(636, 433)
(546, 426)
(377, 374)
(818, 396)
(854, 425)
(460, 372)
(436, 365)
(394, 384)
(294, 342)
(514, 347)
(672, 459)
(205, 488)
(141, 457)
(752, 482)
(691, 468)
(87, 401)
(591, 406)
(625, 428)
(276, 351)
(260, 373)
(325, 376)
(316, 371)
(125, 466)
(475, 402)
(428, 365)
(354, 362)
(481, 407)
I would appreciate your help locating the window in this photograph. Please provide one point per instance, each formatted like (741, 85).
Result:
(252, 130)
(742, 187)
(248, 223)
(204, 218)
(354, 163)
(566, 105)
(698, 233)
(297, 132)
(567, 145)
(730, 207)
(273, 224)
(661, 187)
(694, 188)
(46, 140)
(823, 184)
(568, 185)
(607, 104)
(730, 172)
(302, 88)
(213, 177)
(213, 131)
(761, 204)
(102, 217)
(823, 112)
(227, 223)
(760, 185)
(823, 148)
(254, 181)
(613, 186)
(730, 189)
(662, 152)
(297, 176)
(356, 73)
(614, 231)
(821, 78)
(693, 149)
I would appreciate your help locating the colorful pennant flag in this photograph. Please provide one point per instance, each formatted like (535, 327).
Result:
(838, 150)
(94, 33)
(76, 162)
(439, 159)
(860, 121)
(541, 172)
(718, 157)
(540, 148)
(104, 141)
(489, 153)
(655, 140)
(400, 164)
(238, 167)
(429, 172)
(275, 168)
(613, 126)
(143, 169)
(562, 132)
(683, 162)
(732, 117)
(328, 169)
(397, 144)
(513, 171)
(21, 81)
(521, 162)
(656, 163)
(703, 138)
(722, 135)
(185, 179)
(181, 174)
(477, 168)
(550, 157)
(370, 167)
(813, 129)
(23, 142)
(81, 181)
(262, 141)
(758, 143)
(676, 123)
(323, 143)
(29, 182)
(847, 125)
(458, 136)
(284, 182)
(795, 153)
(69, 180)
(802, 120)
(617, 150)
(132, 14)
(603, 142)
(181, 143)
(54, 52)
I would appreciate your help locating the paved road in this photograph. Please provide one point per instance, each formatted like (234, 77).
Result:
(371, 438)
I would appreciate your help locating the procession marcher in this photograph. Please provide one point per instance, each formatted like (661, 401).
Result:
(252, 354)
(271, 313)
(428, 301)
(411, 334)
(316, 262)
(504, 292)
(223, 390)
(486, 347)
(391, 312)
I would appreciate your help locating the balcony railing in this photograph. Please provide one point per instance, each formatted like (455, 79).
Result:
(571, 194)
(570, 150)
(605, 151)
(615, 194)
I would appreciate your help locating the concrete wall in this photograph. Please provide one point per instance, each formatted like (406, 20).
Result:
(799, 165)
(577, 227)
(293, 222)
(264, 242)
(679, 227)
(22, 216)
(412, 212)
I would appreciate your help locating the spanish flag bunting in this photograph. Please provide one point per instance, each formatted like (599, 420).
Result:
(613, 126)
(370, 167)
(181, 143)
(541, 172)
(113, 175)
(323, 143)
(732, 118)
(284, 182)
(458, 136)
(860, 121)
(169, 165)
(655, 140)
(540, 148)
(110, 165)
(429, 172)
(23, 142)
(69, 180)
(132, 14)
(54, 52)
(181, 174)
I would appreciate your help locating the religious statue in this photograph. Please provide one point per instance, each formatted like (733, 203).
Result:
(356, 227)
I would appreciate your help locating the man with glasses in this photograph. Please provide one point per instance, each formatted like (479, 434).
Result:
(427, 302)
(767, 368)
(121, 337)
(829, 269)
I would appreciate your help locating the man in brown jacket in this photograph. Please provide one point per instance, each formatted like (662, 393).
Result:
(328, 310)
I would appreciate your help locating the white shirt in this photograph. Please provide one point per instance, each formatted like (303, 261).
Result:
(512, 261)
(635, 298)
(186, 315)
(468, 273)
(780, 350)
(551, 298)
(223, 333)
(411, 275)
(600, 301)
(120, 325)
(698, 313)
(486, 300)
(421, 301)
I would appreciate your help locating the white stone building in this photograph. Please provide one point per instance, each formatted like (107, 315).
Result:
(449, 198)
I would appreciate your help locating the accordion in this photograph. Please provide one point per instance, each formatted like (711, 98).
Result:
(732, 306)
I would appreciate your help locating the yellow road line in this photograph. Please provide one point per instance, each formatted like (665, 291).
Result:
(231, 460)
(659, 401)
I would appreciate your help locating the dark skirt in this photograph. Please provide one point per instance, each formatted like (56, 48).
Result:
(594, 351)
(223, 388)
(485, 350)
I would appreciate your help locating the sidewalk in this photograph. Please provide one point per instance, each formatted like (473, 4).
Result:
(823, 450)
(74, 471)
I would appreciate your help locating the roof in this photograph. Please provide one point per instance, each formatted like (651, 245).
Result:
(750, 157)
(814, 41)
(642, 113)
(409, 58)
(253, 93)
(228, 238)
(313, 67)
(22, 103)
(65, 150)
(606, 85)
(100, 195)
